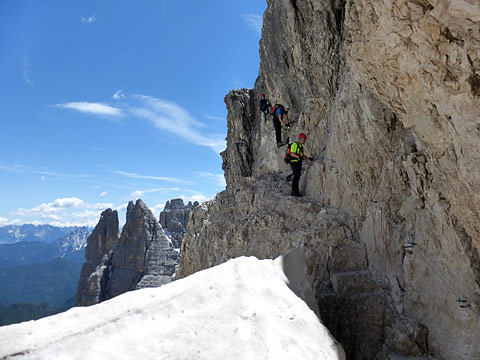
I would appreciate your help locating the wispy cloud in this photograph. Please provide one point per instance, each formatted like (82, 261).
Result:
(149, 177)
(139, 193)
(88, 20)
(119, 95)
(169, 116)
(163, 114)
(212, 117)
(26, 72)
(102, 194)
(3, 221)
(218, 178)
(23, 169)
(92, 108)
(254, 21)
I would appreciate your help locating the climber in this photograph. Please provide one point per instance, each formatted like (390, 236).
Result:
(264, 106)
(280, 118)
(297, 153)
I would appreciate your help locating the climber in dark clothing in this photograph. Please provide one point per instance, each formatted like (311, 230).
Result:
(280, 118)
(264, 106)
(297, 152)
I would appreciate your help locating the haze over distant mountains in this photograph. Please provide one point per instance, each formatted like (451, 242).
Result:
(40, 245)
(39, 270)
(28, 232)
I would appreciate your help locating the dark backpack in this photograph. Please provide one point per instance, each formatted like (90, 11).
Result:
(288, 154)
(263, 104)
(274, 109)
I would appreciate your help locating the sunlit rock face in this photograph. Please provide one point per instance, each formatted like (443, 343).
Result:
(174, 219)
(142, 256)
(388, 94)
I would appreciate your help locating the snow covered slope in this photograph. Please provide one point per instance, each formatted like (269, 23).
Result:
(242, 309)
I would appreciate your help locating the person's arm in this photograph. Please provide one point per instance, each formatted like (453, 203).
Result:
(306, 156)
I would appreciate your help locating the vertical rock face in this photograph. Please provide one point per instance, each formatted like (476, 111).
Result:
(174, 219)
(144, 256)
(388, 95)
(95, 275)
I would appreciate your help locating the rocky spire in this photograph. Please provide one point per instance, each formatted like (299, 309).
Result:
(94, 275)
(144, 255)
(174, 219)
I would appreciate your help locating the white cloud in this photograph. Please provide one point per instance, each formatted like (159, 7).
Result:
(88, 20)
(169, 116)
(92, 108)
(52, 207)
(139, 193)
(42, 178)
(102, 194)
(119, 95)
(5, 221)
(254, 21)
(199, 198)
(149, 177)
(64, 212)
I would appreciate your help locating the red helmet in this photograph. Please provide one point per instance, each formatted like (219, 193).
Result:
(302, 136)
(262, 95)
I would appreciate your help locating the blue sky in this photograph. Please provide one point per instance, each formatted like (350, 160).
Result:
(102, 102)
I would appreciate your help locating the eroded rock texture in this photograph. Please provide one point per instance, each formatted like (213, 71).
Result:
(388, 93)
(92, 286)
(144, 256)
(174, 219)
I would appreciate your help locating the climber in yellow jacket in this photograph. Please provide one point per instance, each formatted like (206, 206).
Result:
(297, 155)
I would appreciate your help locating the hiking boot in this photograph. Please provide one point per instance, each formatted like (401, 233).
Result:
(280, 144)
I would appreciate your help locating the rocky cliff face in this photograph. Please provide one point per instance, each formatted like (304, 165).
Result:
(174, 219)
(143, 256)
(388, 95)
(92, 286)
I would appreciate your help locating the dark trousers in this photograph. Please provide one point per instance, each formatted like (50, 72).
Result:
(297, 172)
(278, 129)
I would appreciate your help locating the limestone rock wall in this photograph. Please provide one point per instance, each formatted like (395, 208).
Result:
(142, 256)
(387, 92)
(94, 274)
(174, 219)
